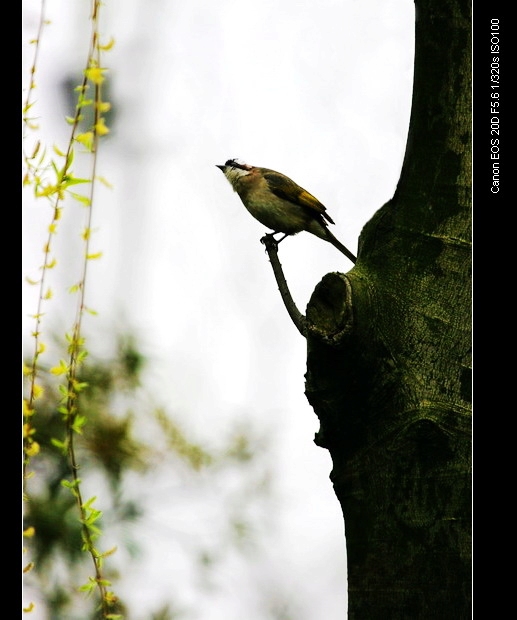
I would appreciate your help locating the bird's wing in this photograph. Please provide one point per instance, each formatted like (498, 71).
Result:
(285, 188)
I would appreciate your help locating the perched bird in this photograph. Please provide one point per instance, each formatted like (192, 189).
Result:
(279, 203)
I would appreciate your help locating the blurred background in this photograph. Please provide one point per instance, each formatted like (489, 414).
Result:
(226, 510)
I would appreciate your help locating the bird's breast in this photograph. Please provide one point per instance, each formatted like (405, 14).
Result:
(270, 210)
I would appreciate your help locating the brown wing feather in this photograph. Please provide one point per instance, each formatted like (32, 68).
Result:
(285, 188)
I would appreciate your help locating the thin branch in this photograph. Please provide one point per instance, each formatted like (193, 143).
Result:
(296, 316)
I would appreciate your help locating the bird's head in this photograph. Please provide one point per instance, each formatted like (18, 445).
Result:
(234, 169)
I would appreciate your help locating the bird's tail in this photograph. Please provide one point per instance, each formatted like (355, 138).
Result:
(337, 244)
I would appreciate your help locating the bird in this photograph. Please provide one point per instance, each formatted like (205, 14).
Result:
(279, 203)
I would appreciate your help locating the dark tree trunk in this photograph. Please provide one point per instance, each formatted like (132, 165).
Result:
(388, 368)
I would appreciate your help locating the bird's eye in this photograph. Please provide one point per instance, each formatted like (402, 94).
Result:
(230, 162)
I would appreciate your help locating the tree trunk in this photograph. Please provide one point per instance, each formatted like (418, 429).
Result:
(388, 367)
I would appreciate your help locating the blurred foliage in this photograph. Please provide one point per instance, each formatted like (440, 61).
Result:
(106, 446)
(176, 440)
(108, 449)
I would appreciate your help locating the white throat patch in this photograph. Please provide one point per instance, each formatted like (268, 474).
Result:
(233, 174)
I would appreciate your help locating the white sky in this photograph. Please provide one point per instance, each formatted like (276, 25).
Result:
(319, 91)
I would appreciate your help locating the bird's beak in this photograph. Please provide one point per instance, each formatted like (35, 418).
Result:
(220, 167)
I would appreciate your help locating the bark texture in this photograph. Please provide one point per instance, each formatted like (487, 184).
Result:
(388, 367)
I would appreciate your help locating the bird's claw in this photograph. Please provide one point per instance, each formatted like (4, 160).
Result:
(270, 242)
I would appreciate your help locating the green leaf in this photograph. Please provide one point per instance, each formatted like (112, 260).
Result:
(88, 504)
(61, 445)
(78, 424)
(82, 199)
(74, 181)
